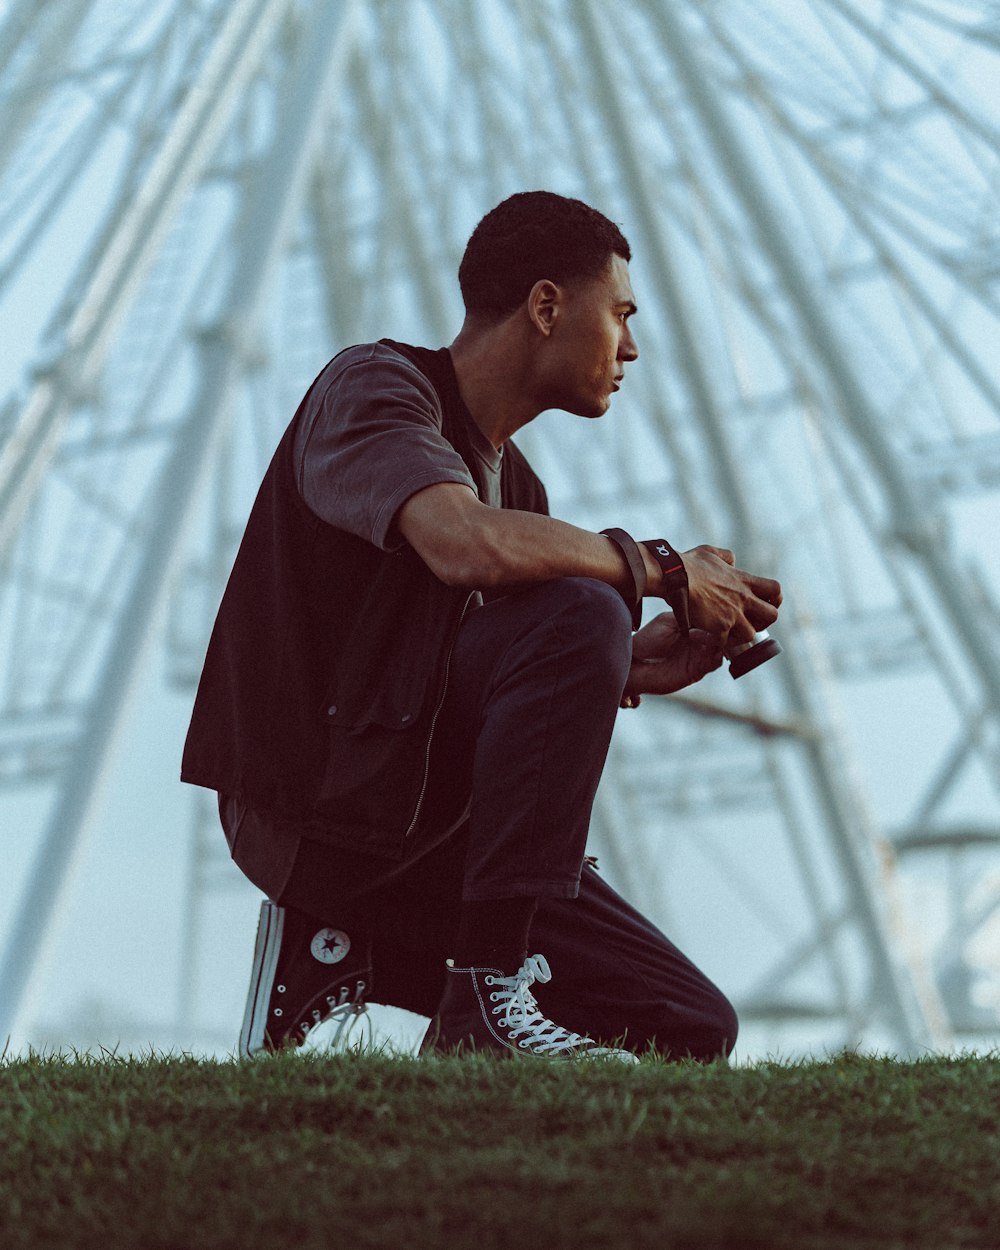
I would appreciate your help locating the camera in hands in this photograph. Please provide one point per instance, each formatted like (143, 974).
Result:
(750, 655)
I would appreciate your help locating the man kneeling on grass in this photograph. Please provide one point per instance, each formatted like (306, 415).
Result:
(415, 672)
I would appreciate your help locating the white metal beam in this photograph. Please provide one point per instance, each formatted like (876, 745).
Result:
(272, 197)
(127, 252)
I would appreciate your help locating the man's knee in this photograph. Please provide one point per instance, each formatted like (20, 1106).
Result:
(718, 1036)
(600, 602)
(596, 629)
(706, 1035)
(599, 618)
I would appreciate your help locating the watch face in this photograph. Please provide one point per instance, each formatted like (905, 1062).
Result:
(330, 946)
(666, 557)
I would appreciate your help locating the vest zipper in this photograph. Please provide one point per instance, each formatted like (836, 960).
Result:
(434, 718)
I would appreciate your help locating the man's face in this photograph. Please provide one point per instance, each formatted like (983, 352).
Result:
(591, 341)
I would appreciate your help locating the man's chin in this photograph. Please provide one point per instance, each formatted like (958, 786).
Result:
(596, 408)
(590, 409)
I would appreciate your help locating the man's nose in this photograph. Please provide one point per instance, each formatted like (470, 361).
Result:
(627, 348)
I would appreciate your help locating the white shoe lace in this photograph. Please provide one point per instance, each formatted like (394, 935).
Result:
(347, 1017)
(345, 1011)
(519, 1016)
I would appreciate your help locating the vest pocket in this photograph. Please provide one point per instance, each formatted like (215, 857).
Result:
(391, 715)
(372, 782)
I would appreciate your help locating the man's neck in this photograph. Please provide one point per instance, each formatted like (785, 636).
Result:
(493, 376)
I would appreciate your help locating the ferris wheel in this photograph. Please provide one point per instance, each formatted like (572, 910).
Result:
(202, 200)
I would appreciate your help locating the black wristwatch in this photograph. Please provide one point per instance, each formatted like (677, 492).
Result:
(675, 580)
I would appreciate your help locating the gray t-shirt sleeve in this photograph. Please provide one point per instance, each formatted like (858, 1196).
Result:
(369, 438)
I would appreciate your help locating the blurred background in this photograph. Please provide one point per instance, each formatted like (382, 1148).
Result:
(201, 201)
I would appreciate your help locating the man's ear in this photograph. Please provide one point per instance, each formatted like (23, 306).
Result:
(543, 305)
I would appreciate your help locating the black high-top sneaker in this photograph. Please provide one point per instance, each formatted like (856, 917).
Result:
(303, 973)
(482, 1010)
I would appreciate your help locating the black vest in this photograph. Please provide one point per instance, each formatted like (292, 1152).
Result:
(328, 656)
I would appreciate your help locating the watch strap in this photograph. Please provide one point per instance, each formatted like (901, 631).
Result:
(637, 567)
(675, 579)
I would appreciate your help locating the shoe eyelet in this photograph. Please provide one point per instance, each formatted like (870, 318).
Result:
(278, 1011)
(493, 997)
(489, 980)
(281, 989)
(524, 1043)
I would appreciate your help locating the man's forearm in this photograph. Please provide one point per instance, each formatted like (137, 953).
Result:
(527, 547)
(468, 544)
(465, 543)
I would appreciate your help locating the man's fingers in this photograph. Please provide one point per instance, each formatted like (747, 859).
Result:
(727, 600)
(761, 615)
(765, 588)
(762, 611)
(742, 630)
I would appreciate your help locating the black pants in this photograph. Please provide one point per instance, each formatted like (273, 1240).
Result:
(535, 682)
(614, 974)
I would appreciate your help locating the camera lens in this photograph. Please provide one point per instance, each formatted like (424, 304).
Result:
(749, 655)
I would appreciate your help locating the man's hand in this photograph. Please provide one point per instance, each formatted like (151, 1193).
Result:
(724, 600)
(663, 660)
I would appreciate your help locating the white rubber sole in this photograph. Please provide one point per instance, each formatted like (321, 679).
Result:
(267, 948)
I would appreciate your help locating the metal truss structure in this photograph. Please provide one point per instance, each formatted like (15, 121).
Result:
(202, 200)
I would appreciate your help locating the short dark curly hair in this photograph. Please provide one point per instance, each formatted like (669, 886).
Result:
(530, 236)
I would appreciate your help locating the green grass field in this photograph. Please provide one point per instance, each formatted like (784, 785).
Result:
(318, 1152)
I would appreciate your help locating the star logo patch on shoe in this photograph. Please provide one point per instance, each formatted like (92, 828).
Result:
(330, 946)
